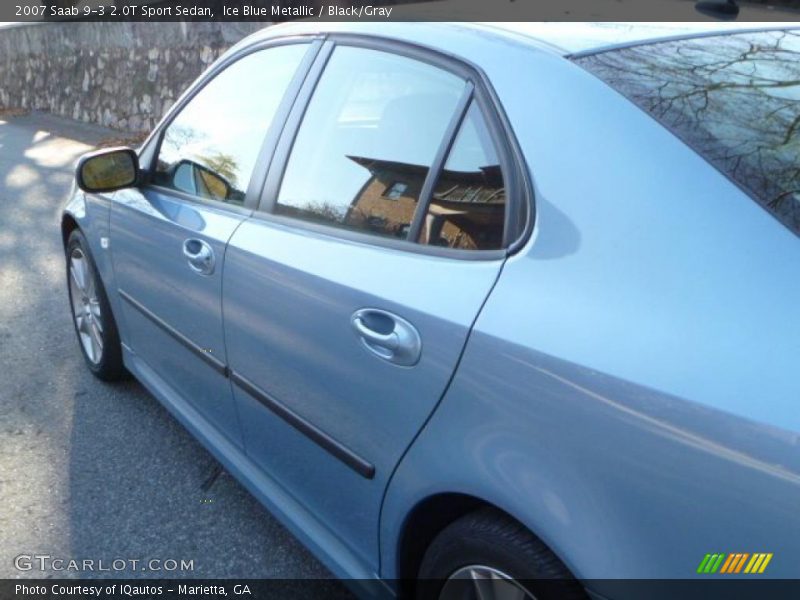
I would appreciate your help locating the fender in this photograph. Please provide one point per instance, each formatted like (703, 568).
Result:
(620, 481)
(92, 213)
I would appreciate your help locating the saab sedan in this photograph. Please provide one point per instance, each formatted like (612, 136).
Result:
(475, 310)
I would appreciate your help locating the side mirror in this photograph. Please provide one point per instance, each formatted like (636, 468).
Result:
(724, 10)
(108, 170)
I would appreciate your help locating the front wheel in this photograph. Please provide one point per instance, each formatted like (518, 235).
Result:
(91, 312)
(487, 555)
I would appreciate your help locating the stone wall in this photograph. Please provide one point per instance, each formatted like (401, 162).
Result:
(121, 75)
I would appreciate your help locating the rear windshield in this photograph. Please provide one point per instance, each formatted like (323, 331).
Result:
(735, 99)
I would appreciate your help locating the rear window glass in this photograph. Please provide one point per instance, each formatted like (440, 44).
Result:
(735, 99)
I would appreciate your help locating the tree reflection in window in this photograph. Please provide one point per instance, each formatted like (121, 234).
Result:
(211, 147)
(735, 99)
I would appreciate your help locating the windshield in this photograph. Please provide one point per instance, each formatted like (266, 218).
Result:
(735, 99)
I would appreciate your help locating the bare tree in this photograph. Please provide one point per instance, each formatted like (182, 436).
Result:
(735, 99)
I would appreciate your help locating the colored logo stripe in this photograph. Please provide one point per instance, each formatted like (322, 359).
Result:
(753, 561)
(740, 564)
(710, 563)
(735, 562)
(767, 558)
(727, 564)
(703, 563)
(735, 565)
(731, 565)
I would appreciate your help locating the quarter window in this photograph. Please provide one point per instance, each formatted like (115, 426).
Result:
(468, 206)
(210, 149)
(367, 141)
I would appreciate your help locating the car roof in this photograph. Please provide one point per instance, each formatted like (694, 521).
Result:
(563, 38)
(570, 38)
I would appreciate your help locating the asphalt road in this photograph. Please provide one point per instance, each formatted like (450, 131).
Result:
(90, 470)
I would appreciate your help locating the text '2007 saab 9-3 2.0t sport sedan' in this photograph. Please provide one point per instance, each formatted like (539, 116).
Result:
(473, 309)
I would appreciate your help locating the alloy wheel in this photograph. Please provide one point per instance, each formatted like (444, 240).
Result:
(86, 305)
(478, 582)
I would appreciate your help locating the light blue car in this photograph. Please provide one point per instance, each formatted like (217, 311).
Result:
(474, 309)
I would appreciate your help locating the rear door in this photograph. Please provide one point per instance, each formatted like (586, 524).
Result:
(168, 237)
(349, 297)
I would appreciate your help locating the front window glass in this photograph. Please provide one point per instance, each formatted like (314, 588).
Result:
(735, 99)
(367, 141)
(210, 149)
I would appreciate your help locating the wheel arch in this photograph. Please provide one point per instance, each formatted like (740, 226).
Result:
(424, 522)
(91, 215)
(68, 225)
(453, 469)
(429, 517)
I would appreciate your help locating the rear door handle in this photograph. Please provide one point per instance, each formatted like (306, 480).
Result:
(199, 255)
(387, 336)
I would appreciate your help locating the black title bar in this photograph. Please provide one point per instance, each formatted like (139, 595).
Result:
(396, 10)
(708, 588)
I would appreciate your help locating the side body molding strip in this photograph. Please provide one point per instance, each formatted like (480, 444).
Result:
(209, 359)
(311, 431)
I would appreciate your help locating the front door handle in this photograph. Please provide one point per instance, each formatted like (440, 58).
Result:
(199, 255)
(387, 336)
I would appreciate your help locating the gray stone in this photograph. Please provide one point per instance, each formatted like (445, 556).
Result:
(145, 105)
(121, 74)
(206, 55)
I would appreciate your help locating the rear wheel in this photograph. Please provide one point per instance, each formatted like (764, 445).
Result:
(487, 555)
(91, 313)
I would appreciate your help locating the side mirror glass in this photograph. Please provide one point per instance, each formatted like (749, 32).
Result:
(108, 170)
(193, 178)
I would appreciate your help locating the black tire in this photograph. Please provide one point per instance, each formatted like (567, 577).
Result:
(109, 366)
(492, 539)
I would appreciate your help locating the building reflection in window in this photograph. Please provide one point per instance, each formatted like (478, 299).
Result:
(367, 141)
(468, 207)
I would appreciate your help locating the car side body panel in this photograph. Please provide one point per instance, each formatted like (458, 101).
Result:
(629, 390)
(289, 333)
(160, 290)
(303, 523)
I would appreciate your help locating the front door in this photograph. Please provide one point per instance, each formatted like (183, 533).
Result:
(168, 238)
(168, 261)
(342, 332)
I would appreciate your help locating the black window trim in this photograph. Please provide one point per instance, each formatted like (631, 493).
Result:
(435, 170)
(152, 146)
(519, 192)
